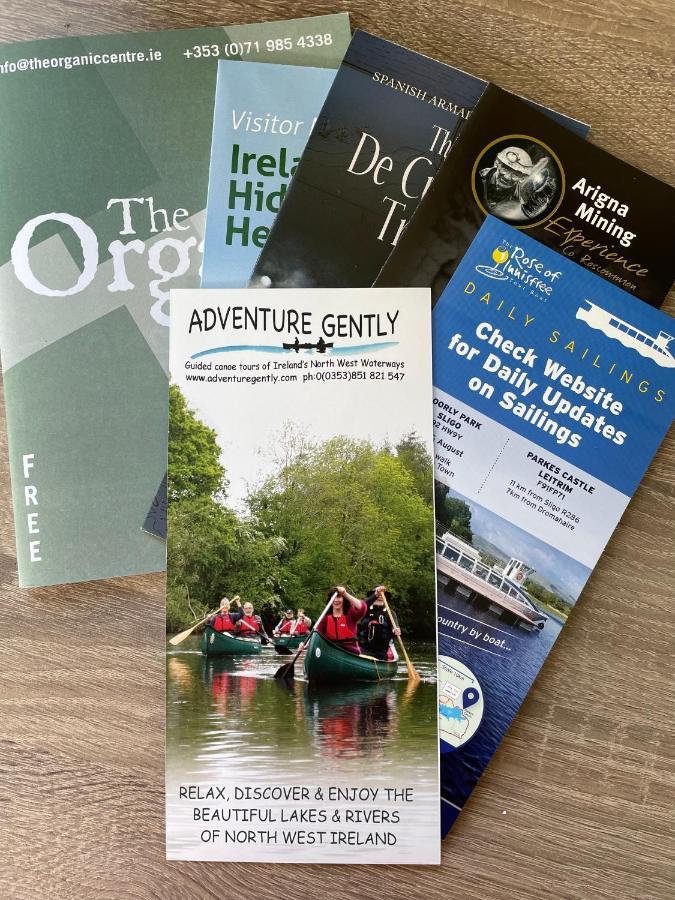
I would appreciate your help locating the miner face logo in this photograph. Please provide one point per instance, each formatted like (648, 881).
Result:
(519, 180)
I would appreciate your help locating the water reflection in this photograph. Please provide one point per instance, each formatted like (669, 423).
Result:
(229, 721)
(220, 709)
(230, 686)
(179, 673)
(354, 721)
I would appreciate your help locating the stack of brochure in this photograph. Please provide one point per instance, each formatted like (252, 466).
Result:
(402, 330)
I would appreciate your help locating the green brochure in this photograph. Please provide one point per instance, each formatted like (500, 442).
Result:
(103, 181)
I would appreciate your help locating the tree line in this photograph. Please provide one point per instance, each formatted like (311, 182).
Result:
(339, 511)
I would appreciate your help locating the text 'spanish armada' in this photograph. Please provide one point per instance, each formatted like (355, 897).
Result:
(302, 716)
(554, 378)
(390, 119)
(103, 212)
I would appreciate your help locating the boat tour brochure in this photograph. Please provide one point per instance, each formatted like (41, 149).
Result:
(553, 390)
(263, 115)
(390, 119)
(301, 587)
(104, 190)
(553, 387)
(522, 167)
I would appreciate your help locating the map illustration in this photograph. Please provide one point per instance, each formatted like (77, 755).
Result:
(460, 702)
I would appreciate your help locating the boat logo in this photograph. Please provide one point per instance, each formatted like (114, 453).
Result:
(320, 347)
(317, 652)
(656, 348)
(516, 264)
(500, 256)
(519, 180)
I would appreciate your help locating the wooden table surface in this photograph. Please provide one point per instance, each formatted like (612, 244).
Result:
(577, 802)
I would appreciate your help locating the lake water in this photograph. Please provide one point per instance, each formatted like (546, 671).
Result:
(230, 722)
(505, 673)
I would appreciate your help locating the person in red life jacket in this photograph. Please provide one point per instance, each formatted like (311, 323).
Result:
(340, 624)
(285, 624)
(224, 620)
(248, 624)
(376, 629)
(293, 624)
(302, 623)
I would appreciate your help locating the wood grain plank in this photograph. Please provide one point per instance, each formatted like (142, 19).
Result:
(577, 802)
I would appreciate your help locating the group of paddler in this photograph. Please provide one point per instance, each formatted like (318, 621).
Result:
(244, 622)
(292, 625)
(352, 638)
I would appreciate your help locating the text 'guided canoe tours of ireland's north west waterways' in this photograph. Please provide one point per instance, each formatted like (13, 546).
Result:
(302, 715)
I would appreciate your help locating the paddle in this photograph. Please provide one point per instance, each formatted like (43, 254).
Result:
(179, 638)
(284, 649)
(265, 638)
(287, 670)
(413, 675)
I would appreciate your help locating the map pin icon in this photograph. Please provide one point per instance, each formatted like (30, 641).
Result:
(469, 697)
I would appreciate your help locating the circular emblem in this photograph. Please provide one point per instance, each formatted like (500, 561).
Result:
(317, 652)
(519, 180)
(460, 707)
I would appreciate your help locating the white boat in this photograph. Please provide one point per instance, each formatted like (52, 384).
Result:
(460, 563)
(655, 348)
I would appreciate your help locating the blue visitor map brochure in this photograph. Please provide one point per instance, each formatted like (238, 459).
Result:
(264, 114)
(553, 389)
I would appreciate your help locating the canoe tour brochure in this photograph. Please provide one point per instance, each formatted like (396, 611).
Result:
(103, 212)
(302, 706)
(263, 116)
(517, 164)
(553, 390)
(390, 119)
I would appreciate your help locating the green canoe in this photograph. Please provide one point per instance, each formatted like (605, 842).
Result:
(286, 643)
(220, 643)
(325, 661)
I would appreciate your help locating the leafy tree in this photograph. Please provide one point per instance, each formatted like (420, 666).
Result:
(413, 454)
(343, 511)
(453, 514)
(442, 515)
(350, 513)
(459, 515)
(545, 596)
(194, 456)
(212, 553)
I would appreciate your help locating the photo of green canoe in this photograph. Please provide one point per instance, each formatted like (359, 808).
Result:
(221, 643)
(286, 643)
(325, 661)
